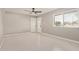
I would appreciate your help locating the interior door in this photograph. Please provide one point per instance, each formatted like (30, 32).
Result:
(33, 24)
(39, 19)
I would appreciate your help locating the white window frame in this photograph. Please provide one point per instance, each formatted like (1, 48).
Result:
(63, 20)
(54, 21)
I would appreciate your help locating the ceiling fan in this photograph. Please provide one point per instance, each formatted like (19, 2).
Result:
(33, 11)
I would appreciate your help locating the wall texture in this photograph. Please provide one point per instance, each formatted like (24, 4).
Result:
(1, 24)
(14, 23)
(47, 27)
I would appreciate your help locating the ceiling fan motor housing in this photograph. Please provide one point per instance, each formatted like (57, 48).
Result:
(33, 9)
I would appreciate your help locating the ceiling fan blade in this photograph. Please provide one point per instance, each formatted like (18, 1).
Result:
(38, 11)
(30, 12)
(27, 11)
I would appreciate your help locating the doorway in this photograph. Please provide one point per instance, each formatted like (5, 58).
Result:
(36, 24)
(39, 19)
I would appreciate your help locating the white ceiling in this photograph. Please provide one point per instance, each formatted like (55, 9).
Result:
(21, 10)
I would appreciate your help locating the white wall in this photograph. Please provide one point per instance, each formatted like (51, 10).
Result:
(47, 27)
(14, 23)
(1, 24)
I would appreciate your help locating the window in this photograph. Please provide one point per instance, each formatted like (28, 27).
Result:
(67, 20)
(59, 20)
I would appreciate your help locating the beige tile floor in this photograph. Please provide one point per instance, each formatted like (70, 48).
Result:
(35, 42)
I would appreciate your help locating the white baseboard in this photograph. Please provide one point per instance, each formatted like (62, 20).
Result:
(70, 40)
